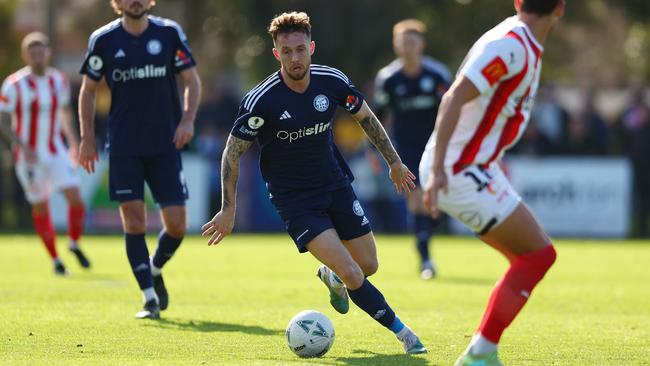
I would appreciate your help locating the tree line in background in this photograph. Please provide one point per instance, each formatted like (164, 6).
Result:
(600, 42)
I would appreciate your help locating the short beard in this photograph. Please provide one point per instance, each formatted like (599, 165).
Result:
(134, 16)
(298, 78)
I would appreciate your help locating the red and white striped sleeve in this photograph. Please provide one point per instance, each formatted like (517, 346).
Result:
(8, 97)
(494, 61)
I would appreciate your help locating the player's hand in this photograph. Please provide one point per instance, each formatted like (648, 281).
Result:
(30, 155)
(184, 133)
(220, 226)
(437, 182)
(402, 177)
(88, 154)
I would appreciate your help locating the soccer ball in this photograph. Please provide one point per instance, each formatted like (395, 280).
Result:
(310, 334)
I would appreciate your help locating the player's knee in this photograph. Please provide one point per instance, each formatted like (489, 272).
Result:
(370, 267)
(39, 208)
(176, 229)
(540, 260)
(351, 275)
(550, 256)
(134, 223)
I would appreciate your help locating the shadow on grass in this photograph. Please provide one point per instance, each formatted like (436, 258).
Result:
(209, 326)
(466, 280)
(370, 358)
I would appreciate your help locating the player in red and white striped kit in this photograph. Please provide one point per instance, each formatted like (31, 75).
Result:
(484, 113)
(38, 98)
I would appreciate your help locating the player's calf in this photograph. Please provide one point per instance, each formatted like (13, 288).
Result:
(509, 296)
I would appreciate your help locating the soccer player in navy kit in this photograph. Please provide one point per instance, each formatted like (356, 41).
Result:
(138, 55)
(411, 88)
(290, 114)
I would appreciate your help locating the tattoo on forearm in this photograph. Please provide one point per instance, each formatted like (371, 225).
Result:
(379, 138)
(235, 148)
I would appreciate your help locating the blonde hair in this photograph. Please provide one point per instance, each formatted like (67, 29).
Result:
(289, 23)
(35, 38)
(410, 25)
(118, 11)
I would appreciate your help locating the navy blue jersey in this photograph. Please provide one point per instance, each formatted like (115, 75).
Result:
(298, 157)
(141, 73)
(413, 102)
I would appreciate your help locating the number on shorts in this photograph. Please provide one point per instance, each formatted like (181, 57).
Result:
(482, 180)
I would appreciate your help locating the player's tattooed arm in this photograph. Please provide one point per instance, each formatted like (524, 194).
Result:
(235, 148)
(398, 172)
(376, 133)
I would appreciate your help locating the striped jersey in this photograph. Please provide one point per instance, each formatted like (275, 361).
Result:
(298, 157)
(505, 66)
(35, 102)
(141, 74)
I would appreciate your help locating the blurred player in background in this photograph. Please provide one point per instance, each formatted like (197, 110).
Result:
(38, 97)
(483, 114)
(411, 88)
(139, 56)
(290, 114)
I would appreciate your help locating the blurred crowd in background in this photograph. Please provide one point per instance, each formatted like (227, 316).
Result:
(593, 100)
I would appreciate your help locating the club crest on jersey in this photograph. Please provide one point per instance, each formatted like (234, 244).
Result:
(255, 122)
(426, 84)
(351, 102)
(154, 47)
(321, 103)
(356, 207)
(95, 62)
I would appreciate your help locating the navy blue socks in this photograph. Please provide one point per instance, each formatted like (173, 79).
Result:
(138, 254)
(167, 246)
(370, 300)
(423, 231)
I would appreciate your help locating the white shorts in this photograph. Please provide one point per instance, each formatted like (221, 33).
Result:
(479, 198)
(40, 179)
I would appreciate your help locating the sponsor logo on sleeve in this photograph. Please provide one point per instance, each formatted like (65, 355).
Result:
(246, 131)
(95, 62)
(255, 122)
(181, 59)
(495, 70)
(351, 102)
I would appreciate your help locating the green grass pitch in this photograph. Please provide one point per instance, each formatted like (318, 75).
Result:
(229, 305)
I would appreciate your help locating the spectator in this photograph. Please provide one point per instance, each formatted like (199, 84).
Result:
(534, 142)
(549, 116)
(636, 126)
(587, 134)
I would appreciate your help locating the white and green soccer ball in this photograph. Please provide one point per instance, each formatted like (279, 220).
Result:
(310, 334)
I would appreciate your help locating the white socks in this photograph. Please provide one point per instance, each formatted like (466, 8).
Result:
(481, 345)
(155, 271)
(73, 245)
(403, 333)
(149, 294)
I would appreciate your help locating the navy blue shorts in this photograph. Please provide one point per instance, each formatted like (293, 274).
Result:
(163, 174)
(339, 210)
